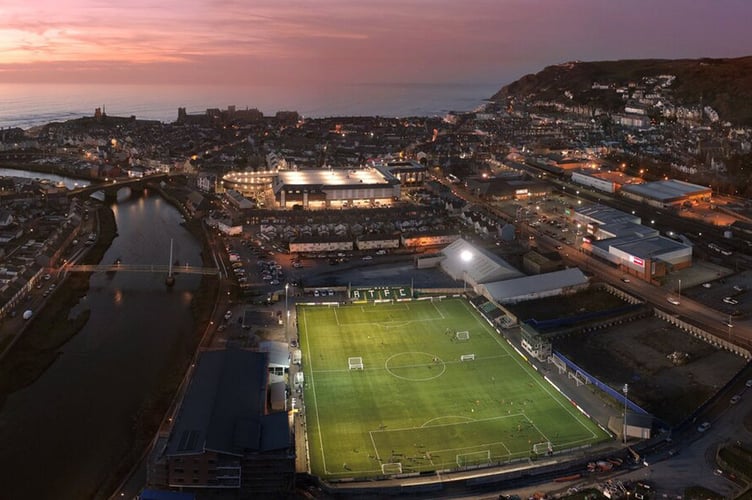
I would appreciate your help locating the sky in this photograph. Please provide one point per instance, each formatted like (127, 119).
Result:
(352, 41)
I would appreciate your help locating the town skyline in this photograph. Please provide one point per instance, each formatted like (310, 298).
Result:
(231, 42)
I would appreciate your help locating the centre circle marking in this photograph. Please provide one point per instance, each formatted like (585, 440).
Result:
(431, 361)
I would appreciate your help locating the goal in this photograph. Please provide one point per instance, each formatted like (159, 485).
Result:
(467, 357)
(391, 468)
(543, 448)
(463, 336)
(355, 363)
(474, 458)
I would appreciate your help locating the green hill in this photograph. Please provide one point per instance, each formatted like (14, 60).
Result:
(723, 84)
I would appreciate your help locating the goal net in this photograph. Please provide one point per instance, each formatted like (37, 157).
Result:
(462, 336)
(542, 448)
(474, 458)
(389, 469)
(355, 363)
(467, 357)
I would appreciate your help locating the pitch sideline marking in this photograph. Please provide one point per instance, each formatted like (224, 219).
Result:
(524, 368)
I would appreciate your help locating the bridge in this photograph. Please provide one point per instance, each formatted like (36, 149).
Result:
(141, 268)
(111, 187)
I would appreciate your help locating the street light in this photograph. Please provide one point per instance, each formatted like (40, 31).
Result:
(624, 432)
(287, 313)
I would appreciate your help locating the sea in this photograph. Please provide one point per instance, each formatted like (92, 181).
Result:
(30, 105)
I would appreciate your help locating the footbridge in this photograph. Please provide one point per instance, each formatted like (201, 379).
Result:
(142, 268)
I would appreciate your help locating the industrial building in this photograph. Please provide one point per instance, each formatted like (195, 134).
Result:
(667, 193)
(224, 436)
(618, 237)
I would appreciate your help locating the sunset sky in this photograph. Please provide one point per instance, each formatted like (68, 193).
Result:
(355, 41)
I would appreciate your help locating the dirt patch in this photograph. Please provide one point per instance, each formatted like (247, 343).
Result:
(640, 354)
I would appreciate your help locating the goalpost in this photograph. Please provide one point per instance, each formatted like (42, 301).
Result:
(474, 458)
(462, 336)
(355, 363)
(392, 468)
(467, 357)
(543, 448)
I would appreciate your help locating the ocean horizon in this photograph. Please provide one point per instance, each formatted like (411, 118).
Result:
(30, 105)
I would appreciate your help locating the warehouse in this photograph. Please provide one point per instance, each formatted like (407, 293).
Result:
(667, 193)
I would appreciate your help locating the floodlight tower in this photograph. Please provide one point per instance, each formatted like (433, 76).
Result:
(466, 257)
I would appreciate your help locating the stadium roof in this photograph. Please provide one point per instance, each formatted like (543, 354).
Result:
(279, 352)
(481, 266)
(667, 190)
(223, 409)
(537, 285)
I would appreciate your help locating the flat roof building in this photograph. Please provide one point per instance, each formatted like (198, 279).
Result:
(666, 193)
(320, 188)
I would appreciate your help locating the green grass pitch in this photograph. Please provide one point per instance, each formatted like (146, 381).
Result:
(415, 403)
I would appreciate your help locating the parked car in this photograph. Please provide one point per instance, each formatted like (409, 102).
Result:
(730, 300)
(735, 399)
(367, 257)
(703, 427)
(228, 314)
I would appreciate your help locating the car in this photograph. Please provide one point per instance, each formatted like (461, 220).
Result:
(673, 300)
(367, 257)
(703, 427)
(559, 247)
(625, 279)
(748, 383)
(730, 300)
(228, 314)
(706, 285)
(297, 265)
(381, 252)
(274, 282)
(738, 288)
(316, 293)
(330, 292)
(735, 399)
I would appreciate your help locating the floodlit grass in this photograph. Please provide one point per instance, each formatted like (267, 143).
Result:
(415, 403)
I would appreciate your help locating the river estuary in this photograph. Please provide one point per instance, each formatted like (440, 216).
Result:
(63, 435)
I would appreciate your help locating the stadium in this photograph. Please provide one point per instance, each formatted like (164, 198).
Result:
(398, 386)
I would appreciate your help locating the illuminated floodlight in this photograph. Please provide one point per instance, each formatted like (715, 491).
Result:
(466, 255)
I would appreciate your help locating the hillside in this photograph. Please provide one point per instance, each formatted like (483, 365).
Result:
(723, 84)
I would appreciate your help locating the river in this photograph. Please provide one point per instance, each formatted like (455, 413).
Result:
(66, 433)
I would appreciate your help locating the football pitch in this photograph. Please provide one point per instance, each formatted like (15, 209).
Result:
(404, 387)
